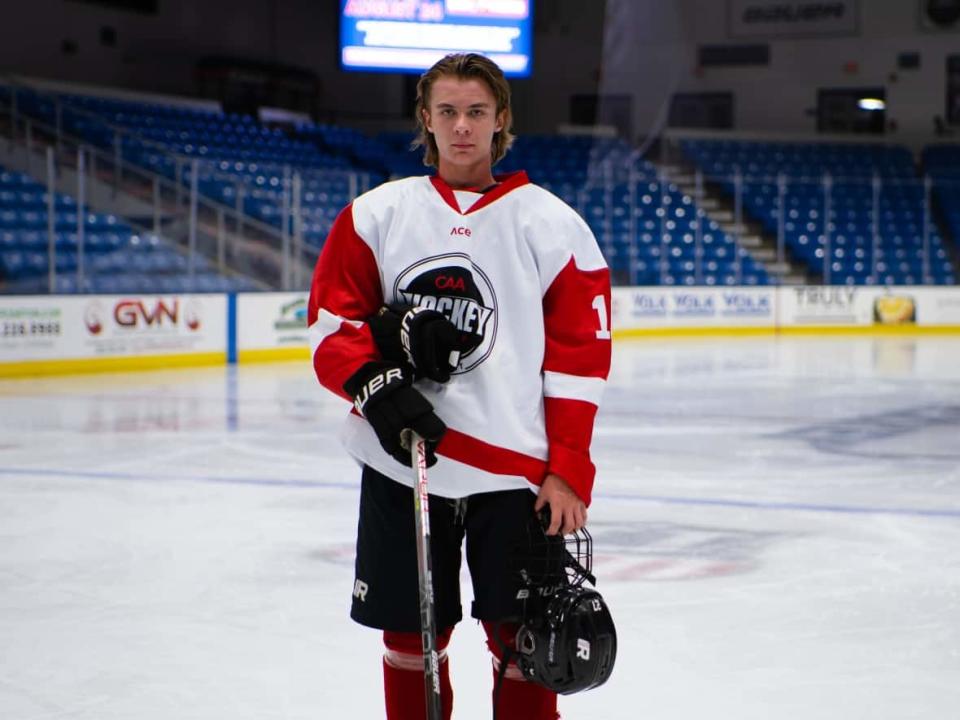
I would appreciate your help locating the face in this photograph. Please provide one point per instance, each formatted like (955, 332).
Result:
(463, 118)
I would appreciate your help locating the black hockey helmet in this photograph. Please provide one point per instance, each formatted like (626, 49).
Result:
(572, 645)
(567, 641)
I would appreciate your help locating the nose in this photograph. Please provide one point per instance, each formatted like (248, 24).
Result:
(462, 127)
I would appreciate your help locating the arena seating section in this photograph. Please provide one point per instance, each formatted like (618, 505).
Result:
(855, 240)
(241, 154)
(649, 236)
(942, 163)
(116, 258)
(619, 196)
(247, 157)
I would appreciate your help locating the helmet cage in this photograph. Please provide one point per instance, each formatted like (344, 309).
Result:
(554, 561)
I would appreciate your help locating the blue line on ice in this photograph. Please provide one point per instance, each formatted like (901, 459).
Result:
(280, 482)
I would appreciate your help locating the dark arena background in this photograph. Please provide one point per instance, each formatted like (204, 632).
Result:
(775, 186)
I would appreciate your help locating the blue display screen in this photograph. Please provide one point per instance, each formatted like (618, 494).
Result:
(411, 35)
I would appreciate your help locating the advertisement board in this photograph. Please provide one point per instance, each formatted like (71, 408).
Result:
(651, 308)
(865, 307)
(930, 306)
(272, 326)
(826, 305)
(767, 19)
(46, 335)
(809, 308)
(80, 332)
(31, 327)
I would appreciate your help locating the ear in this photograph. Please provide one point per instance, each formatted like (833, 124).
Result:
(426, 120)
(501, 121)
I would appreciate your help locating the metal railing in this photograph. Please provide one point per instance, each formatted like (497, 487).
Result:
(281, 257)
(806, 224)
(881, 220)
(171, 209)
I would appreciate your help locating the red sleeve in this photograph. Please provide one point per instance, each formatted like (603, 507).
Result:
(345, 291)
(576, 363)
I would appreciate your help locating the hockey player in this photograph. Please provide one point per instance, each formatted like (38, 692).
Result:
(474, 310)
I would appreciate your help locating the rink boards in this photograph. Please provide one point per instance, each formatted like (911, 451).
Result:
(815, 309)
(63, 334)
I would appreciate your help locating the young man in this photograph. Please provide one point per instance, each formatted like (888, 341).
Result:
(473, 309)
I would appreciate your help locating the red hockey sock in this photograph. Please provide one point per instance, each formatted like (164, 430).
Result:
(403, 676)
(518, 699)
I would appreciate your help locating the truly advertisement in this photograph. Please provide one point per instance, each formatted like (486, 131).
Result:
(826, 305)
(864, 306)
(637, 308)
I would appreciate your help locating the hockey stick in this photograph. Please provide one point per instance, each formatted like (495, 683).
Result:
(428, 630)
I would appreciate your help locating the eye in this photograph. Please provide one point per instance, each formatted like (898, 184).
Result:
(477, 112)
(447, 112)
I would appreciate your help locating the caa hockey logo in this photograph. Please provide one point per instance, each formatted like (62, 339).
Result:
(454, 286)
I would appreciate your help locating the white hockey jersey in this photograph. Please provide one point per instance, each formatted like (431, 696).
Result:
(518, 270)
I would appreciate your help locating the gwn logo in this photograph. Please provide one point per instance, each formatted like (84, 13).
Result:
(130, 313)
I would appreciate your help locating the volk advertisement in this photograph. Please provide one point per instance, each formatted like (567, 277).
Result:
(59, 328)
(637, 308)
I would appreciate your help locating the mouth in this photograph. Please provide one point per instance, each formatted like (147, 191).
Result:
(462, 146)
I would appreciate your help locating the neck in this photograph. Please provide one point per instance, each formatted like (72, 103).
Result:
(457, 177)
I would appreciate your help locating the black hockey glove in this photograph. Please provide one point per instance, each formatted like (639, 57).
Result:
(384, 394)
(422, 338)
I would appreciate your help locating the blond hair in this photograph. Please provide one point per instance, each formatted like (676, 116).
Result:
(466, 66)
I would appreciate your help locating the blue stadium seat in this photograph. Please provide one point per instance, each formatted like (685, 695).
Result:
(852, 222)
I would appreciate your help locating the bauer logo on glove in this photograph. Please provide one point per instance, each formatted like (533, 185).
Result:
(375, 384)
(384, 394)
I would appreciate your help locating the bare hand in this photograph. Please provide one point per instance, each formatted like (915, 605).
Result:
(568, 512)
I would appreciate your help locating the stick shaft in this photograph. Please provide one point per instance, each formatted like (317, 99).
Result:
(428, 629)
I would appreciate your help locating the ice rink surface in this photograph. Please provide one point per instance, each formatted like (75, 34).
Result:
(777, 527)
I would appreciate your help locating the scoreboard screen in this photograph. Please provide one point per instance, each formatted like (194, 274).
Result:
(411, 35)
